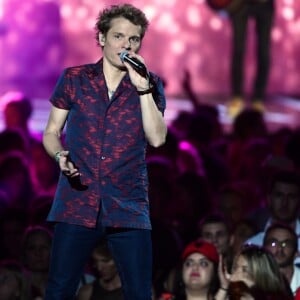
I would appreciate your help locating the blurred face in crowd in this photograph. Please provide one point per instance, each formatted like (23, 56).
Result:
(14, 116)
(105, 266)
(241, 271)
(281, 244)
(197, 271)
(231, 206)
(217, 234)
(37, 252)
(284, 202)
(241, 233)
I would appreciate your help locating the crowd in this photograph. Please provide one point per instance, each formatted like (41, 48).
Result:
(211, 194)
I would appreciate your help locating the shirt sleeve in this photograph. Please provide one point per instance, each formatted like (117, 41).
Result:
(63, 92)
(158, 93)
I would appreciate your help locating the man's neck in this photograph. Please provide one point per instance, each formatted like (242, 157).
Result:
(111, 284)
(288, 272)
(113, 76)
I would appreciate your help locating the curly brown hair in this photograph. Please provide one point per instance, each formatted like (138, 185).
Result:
(127, 11)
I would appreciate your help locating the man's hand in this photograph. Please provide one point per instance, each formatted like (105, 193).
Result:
(66, 165)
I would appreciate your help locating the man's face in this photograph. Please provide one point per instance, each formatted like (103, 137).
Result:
(217, 234)
(122, 35)
(284, 202)
(105, 266)
(280, 242)
(37, 252)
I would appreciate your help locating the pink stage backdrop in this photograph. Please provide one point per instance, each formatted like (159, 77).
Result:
(39, 38)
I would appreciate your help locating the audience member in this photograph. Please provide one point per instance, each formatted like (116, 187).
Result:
(282, 241)
(283, 205)
(12, 140)
(241, 232)
(234, 201)
(249, 168)
(248, 125)
(196, 277)
(107, 285)
(17, 113)
(168, 150)
(192, 202)
(12, 283)
(279, 138)
(39, 210)
(188, 159)
(256, 275)
(209, 113)
(180, 124)
(271, 166)
(167, 248)
(36, 247)
(214, 229)
(166, 240)
(15, 180)
(162, 174)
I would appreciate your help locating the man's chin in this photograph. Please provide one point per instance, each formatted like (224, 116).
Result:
(283, 264)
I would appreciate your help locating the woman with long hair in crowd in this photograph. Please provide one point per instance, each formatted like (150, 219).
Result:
(197, 275)
(255, 275)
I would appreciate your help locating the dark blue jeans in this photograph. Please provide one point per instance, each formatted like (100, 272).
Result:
(72, 247)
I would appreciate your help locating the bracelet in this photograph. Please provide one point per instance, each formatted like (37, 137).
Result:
(57, 156)
(224, 289)
(148, 91)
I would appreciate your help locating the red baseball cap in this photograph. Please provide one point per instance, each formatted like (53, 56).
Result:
(203, 247)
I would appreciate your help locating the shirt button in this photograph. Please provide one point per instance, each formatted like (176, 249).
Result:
(103, 157)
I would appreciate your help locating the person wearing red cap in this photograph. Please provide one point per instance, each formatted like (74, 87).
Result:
(197, 276)
(202, 247)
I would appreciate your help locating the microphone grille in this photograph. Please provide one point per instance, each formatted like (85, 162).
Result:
(123, 54)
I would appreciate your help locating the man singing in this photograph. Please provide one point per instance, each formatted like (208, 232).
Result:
(111, 113)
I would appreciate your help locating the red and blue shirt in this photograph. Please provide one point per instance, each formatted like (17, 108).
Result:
(108, 145)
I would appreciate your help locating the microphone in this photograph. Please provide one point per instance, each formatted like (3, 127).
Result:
(135, 63)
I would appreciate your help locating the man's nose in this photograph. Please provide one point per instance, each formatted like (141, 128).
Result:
(127, 45)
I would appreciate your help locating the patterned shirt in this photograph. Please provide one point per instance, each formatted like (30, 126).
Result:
(107, 144)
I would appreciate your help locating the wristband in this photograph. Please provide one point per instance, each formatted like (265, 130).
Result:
(57, 156)
(148, 91)
(224, 289)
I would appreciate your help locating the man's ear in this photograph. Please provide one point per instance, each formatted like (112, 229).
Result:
(101, 39)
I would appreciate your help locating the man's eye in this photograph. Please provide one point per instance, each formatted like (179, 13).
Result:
(135, 39)
(118, 36)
